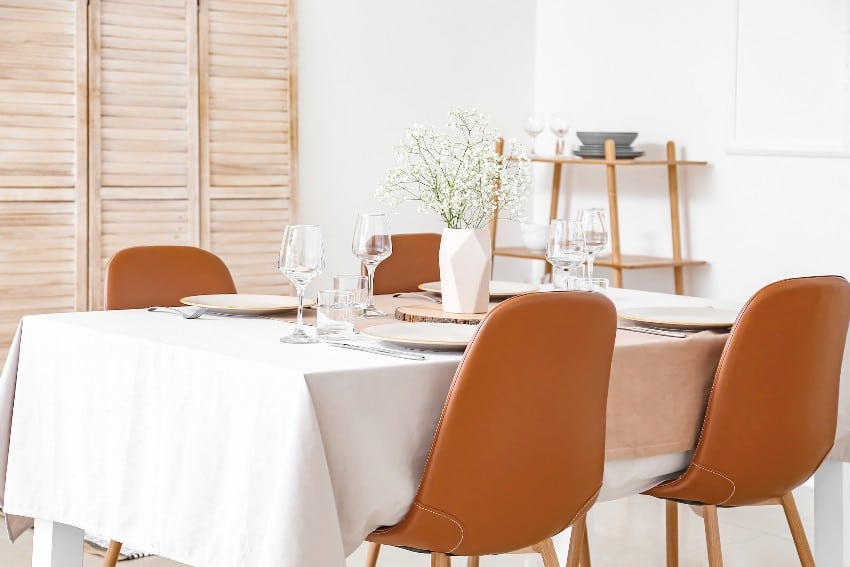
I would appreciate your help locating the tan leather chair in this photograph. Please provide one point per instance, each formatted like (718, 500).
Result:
(772, 411)
(519, 450)
(144, 276)
(415, 260)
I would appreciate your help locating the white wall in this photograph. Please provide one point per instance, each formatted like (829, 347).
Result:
(671, 70)
(369, 69)
(667, 69)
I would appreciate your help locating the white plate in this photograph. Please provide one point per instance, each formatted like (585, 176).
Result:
(682, 317)
(244, 303)
(497, 288)
(436, 336)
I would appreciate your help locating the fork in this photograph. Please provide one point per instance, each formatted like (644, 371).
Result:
(191, 313)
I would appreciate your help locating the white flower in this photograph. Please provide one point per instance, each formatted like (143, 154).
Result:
(459, 176)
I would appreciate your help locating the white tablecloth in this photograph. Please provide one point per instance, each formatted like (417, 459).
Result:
(212, 443)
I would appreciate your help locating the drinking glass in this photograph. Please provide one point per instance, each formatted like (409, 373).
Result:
(559, 127)
(302, 258)
(359, 286)
(565, 249)
(335, 314)
(534, 125)
(373, 244)
(595, 234)
(593, 284)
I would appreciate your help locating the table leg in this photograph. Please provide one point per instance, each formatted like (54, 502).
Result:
(832, 514)
(56, 545)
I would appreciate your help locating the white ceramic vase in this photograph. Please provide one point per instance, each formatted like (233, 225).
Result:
(465, 270)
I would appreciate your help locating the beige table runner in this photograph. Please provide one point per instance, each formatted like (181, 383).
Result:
(658, 391)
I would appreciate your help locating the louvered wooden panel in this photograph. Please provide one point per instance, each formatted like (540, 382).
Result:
(143, 127)
(42, 159)
(38, 93)
(247, 124)
(127, 222)
(38, 262)
(246, 234)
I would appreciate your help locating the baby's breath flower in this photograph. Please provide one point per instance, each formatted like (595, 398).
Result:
(459, 176)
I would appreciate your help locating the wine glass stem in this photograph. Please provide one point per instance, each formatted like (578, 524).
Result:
(589, 265)
(565, 278)
(370, 271)
(299, 321)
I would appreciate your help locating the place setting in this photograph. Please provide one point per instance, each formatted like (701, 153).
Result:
(346, 316)
(249, 304)
(677, 321)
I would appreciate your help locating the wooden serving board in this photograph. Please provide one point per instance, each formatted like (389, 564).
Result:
(433, 313)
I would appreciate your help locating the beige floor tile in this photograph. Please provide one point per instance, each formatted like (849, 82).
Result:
(628, 532)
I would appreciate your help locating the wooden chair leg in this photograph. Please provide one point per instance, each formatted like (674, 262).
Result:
(576, 542)
(112, 553)
(472, 561)
(672, 534)
(797, 531)
(712, 536)
(440, 560)
(372, 554)
(585, 549)
(546, 549)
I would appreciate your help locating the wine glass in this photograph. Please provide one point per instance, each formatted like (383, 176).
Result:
(565, 249)
(534, 125)
(559, 127)
(595, 234)
(372, 243)
(302, 258)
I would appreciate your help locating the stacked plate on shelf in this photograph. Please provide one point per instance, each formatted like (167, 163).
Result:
(593, 145)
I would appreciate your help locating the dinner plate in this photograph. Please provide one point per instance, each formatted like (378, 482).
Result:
(431, 336)
(244, 303)
(682, 317)
(497, 288)
(619, 154)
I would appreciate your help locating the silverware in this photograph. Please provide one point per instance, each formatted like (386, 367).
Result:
(190, 313)
(378, 350)
(654, 331)
(422, 295)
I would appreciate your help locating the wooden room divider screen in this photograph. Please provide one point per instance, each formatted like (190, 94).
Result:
(126, 122)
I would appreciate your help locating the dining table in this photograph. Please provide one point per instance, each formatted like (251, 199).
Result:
(210, 442)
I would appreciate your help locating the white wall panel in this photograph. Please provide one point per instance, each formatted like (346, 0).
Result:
(791, 93)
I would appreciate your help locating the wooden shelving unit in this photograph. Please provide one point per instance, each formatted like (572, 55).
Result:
(618, 261)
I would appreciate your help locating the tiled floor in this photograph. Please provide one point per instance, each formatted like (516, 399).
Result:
(627, 532)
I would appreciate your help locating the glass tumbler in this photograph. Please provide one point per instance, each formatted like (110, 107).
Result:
(335, 314)
(593, 284)
(359, 286)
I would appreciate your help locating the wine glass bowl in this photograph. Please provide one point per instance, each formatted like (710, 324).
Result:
(535, 123)
(301, 259)
(565, 249)
(558, 125)
(372, 244)
(595, 234)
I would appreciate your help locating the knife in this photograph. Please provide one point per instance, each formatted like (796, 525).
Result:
(379, 350)
(654, 331)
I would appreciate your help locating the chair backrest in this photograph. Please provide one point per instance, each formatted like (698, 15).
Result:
(772, 412)
(519, 450)
(415, 260)
(144, 276)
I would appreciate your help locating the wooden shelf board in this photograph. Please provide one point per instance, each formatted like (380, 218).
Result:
(627, 261)
(638, 161)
